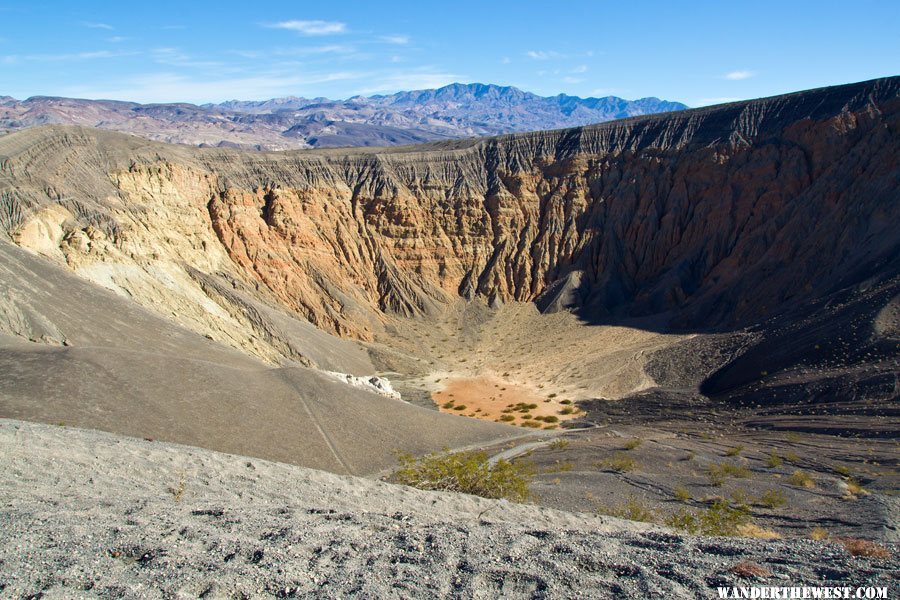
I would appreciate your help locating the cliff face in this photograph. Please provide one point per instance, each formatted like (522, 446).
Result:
(717, 217)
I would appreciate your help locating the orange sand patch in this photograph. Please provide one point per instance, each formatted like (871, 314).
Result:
(487, 397)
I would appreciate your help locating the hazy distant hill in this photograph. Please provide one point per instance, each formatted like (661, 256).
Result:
(454, 111)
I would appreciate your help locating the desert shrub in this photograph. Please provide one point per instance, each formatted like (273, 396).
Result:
(466, 472)
(802, 479)
(735, 451)
(459, 407)
(567, 411)
(721, 518)
(854, 487)
(774, 461)
(683, 520)
(551, 396)
(753, 530)
(750, 570)
(565, 402)
(792, 457)
(772, 499)
(551, 419)
(633, 510)
(633, 443)
(532, 424)
(718, 473)
(681, 493)
(560, 467)
(618, 462)
(559, 444)
(859, 547)
(818, 534)
(448, 405)
(507, 418)
(842, 470)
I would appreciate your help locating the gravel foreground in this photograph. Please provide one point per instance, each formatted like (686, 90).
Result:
(91, 515)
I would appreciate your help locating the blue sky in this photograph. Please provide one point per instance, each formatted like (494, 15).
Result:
(695, 52)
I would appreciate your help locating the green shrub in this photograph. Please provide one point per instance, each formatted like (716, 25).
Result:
(736, 451)
(773, 499)
(802, 479)
(774, 461)
(551, 419)
(681, 493)
(721, 518)
(466, 472)
(633, 443)
(567, 411)
(459, 407)
(719, 473)
(447, 405)
(618, 462)
(507, 418)
(532, 424)
(559, 444)
(565, 402)
(633, 510)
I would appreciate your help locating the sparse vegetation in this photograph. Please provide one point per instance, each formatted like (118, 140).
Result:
(735, 451)
(507, 418)
(448, 405)
(633, 510)
(618, 462)
(721, 518)
(560, 467)
(466, 472)
(559, 444)
(682, 494)
(802, 479)
(633, 443)
(842, 470)
(718, 473)
(772, 499)
(567, 411)
(818, 534)
(774, 461)
(860, 547)
(177, 490)
(750, 570)
(460, 407)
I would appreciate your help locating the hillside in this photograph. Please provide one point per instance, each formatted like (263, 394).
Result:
(453, 111)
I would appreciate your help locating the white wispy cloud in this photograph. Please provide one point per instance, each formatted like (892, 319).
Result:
(505, 60)
(311, 27)
(98, 26)
(395, 39)
(314, 50)
(171, 87)
(75, 56)
(543, 54)
(424, 78)
(738, 75)
(116, 39)
(572, 80)
(580, 69)
(177, 58)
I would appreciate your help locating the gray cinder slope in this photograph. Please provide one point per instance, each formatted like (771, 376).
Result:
(126, 370)
(91, 514)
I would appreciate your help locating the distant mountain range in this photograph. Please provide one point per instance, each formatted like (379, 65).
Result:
(453, 111)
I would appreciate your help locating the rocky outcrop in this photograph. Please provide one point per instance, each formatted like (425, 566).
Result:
(715, 217)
